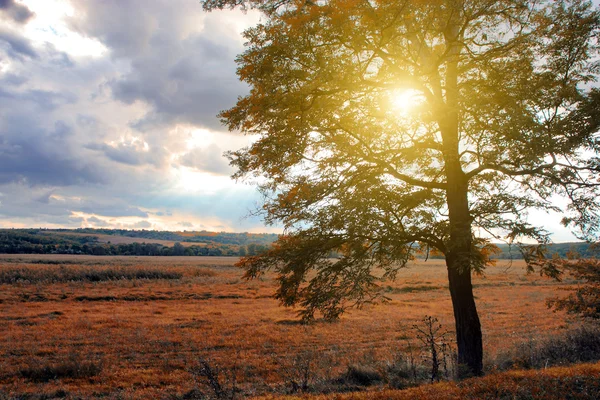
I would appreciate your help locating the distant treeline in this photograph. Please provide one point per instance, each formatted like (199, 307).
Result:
(85, 241)
(582, 249)
(186, 236)
(563, 250)
(35, 241)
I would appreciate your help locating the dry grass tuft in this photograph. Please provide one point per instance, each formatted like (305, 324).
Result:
(558, 383)
(70, 369)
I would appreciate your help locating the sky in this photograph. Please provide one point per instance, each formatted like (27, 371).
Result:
(108, 117)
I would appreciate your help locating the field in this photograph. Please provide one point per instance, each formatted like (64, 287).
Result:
(137, 327)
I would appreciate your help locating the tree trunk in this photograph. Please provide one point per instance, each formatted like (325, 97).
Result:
(458, 254)
(458, 262)
(468, 328)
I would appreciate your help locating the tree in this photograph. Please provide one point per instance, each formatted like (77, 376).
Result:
(503, 118)
(178, 249)
(585, 300)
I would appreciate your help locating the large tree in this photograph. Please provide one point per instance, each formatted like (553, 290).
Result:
(502, 119)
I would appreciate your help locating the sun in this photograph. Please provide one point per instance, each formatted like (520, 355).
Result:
(405, 100)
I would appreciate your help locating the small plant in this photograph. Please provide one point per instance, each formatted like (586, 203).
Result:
(433, 337)
(222, 383)
(298, 372)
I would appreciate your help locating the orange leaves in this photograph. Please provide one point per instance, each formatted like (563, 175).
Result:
(296, 195)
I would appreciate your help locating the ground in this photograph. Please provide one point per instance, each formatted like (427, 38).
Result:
(137, 326)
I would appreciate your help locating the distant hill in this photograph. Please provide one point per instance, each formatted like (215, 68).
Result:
(132, 242)
(204, 243)
(582, 248)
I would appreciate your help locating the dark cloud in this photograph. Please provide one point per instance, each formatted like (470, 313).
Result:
(187, 75)
(45, 99)
(130, 153)
(22, 201)
(15, 11)
(12, 79)
(33, 156)
(69, 221)
(98, 222)
(16, 46)
(110, 210)
(124, 26)
(193, 89)
(44, 198)
(207, 159)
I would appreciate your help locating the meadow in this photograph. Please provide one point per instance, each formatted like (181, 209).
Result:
(141, 327)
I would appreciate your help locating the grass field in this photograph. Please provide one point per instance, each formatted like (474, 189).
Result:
(136, 327)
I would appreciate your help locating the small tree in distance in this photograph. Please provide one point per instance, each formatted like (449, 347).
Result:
(388, 127)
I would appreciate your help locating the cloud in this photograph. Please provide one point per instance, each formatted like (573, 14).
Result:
(33, 155)
(207, 159)
(193, 88)
(131, 153)
(12, 79)
(21, 201)
(97, 222)
(42, 99)
(16, 46)
(101, 137)
(15, 11)
(142, 225)
(185, 72)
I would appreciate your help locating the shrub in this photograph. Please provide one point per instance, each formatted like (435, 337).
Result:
(576, 346)
(436, 346)
(79, 274)
(221, 382)
(362, 375)
(70, 369)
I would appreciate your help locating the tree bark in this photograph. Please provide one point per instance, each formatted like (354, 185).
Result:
(459, 248)
(458, 262)
(468, 327)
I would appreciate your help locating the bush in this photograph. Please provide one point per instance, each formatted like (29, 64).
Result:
(576, 346)
(79, 274)
(404, 371)
(221, 382)
(362, 375)
(71, 369)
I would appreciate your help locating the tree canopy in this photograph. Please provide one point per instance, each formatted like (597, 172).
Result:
(385, 128)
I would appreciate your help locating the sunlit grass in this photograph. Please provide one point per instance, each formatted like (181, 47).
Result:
(148, 333)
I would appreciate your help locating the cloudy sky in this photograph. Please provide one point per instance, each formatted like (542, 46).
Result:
(108, 116)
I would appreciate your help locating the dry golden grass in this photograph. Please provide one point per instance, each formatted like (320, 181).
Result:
(557, 383)
(145, 334)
